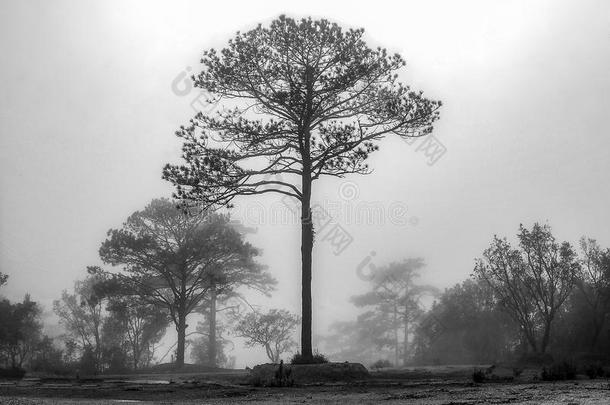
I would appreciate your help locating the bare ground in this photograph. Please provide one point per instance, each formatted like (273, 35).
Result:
(446, 386)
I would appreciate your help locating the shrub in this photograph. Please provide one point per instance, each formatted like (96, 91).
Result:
(559, 371)
(478, 376)
(87, 363)
(382, 363)
(594, 370)
(316, 359)
(12, 373)
(517, 371)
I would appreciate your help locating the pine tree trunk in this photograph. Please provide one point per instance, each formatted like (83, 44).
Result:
(181, 329)
(306, 259)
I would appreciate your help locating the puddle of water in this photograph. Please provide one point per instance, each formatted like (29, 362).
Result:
(148, 382)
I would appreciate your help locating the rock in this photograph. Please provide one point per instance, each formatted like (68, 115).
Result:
(266, 374)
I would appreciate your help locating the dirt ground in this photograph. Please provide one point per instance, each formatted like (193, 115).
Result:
(428, 387)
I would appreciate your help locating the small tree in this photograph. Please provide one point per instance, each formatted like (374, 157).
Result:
(202, 350)
(143, 325)
(593, 282)
(272, 330)
(465, 326)
(393, 304)
(308, 100)
(82, 315)
(20, 331)
(356, 341)
(532, 282)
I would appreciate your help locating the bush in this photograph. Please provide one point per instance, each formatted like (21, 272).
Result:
(316, 359)
(87, 363)
(594, 370)
(478, 376)
(559, 371)
(517, 371)
(382, 363)
(12, 373)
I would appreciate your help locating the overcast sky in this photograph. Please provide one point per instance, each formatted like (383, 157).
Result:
(92, 92)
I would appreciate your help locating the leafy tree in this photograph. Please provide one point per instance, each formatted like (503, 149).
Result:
(304, 99)
(272, 330)
(3, 279)
(168, 256)
(142, 325)
(202, 351)
(82, 315)
(355, 340)
(393, 304)
(20, 331)
(48, 357)
(465, 326)
(532, 282)
(593, 282)
(581, 325)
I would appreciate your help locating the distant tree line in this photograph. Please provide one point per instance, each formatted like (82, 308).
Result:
(171, 264)
(536, 301)
(22, 341)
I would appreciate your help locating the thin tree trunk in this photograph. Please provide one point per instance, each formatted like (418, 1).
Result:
(136, 359)
(396, 356)
(137, 351)
(212, 332)
(181, 329)
(406, 343)
(546, 336)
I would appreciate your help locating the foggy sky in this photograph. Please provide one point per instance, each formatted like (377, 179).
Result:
(88, 116)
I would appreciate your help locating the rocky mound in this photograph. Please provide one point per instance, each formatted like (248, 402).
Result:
(289, 374)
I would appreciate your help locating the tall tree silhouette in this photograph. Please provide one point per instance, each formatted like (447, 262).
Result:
(301, 99)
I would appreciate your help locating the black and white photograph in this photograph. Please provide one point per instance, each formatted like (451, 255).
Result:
(321, 202)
